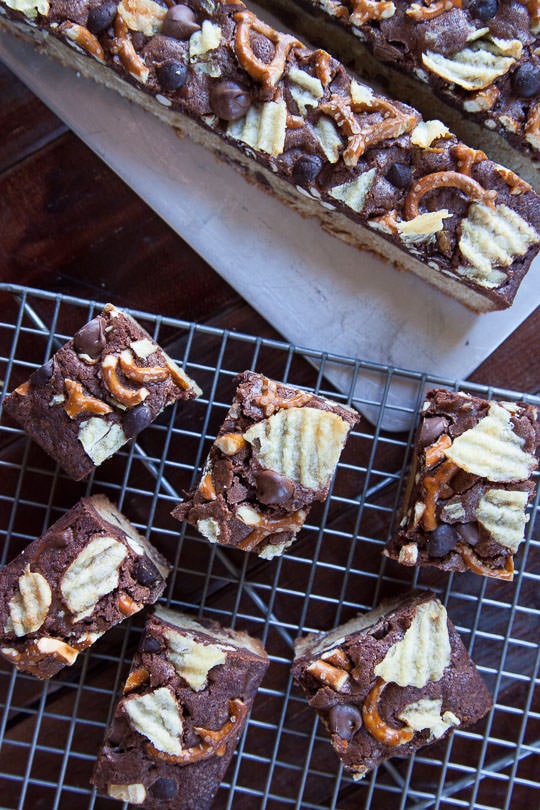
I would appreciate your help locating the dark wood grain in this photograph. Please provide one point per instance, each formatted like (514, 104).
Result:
(69, 224)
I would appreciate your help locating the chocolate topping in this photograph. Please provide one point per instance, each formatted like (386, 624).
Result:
(90, 339)
(172, 74)
(229, 100)
(43, 374)
(273, 488)
(344, 720)
(180, 23)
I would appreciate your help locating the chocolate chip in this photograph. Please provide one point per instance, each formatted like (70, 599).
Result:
(468, 533)
(42, 375)
(150, 644)
(101, 17)
(399, 174)
(344, 720)
(273, 488)
(483, 9)
(306, 169)
(172, 74)
(146, 572)
(59, 540)
(164, 788)
(90, 339)
(229, 100)
(442, 540)
(526, 80)
(180, 23)
(136, 419)
(380, 632)
(431, 429)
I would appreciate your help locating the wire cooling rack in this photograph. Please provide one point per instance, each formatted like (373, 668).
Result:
(52, 730)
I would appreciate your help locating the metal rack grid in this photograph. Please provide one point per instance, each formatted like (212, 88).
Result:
(51, 731)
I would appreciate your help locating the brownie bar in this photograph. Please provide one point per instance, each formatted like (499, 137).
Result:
(390, 681)
(476, 65)
(185, 704)
(88, 572)
(469, 485)
(104, 386)
(274, 455)
(300, 125)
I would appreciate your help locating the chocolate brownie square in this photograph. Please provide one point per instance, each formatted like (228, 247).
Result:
(469, 485)
(390, 681)
(274, 455)
(104, 386)
(88, 572)
(184, 706)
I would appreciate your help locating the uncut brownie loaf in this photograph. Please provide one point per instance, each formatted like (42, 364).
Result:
(274, 455)
(87, 573)
(104, 386)
(470, 482)
(475, 64)
(295, 121)
(390, 681)
(184, 707)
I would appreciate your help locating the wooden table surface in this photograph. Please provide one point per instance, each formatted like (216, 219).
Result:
(68, 224)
